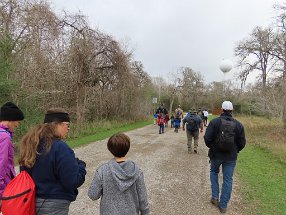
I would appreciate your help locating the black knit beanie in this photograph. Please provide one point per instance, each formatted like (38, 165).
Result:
(56, 117)
(10, 112)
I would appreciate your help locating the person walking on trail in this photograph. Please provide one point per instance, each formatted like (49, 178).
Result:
(119, 182)
(166, 120)
(194, 125)
(200, 113)
(52, 164)
(10, 117)
(161, 122)
(225, 138)
(177, 123)
(172, 120)
(206, 114)
(179, 112)
(162, 109)
(155, 118)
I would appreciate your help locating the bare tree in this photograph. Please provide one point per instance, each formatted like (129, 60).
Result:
(192, 89)
(175, 88)
(279, 52)
(253, 54)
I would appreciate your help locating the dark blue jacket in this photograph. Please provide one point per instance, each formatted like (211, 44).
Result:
(57, 174)
(210, 137)
(196, 118)
(177, 122)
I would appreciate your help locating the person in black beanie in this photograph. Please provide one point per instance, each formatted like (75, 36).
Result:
(10, 117)
(52, 164)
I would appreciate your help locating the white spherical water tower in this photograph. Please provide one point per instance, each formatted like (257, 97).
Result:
(225, 66)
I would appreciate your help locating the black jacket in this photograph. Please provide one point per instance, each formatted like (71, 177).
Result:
(162, 109)
(211, 134)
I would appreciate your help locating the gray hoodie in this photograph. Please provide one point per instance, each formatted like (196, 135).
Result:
(121, 188)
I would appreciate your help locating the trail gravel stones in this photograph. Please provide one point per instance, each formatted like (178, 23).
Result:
(177, 182)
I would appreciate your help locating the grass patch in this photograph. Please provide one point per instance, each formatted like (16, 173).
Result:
(261, 166)
(263, 179)
(105, 132)
(267, 134)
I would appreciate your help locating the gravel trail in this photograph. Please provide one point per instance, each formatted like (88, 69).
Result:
(177, 182)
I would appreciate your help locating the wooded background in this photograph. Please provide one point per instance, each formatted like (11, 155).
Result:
(57, 60)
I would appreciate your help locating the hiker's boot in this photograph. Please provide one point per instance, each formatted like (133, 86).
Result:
(195, 151)
(222, 210)
(215, 201)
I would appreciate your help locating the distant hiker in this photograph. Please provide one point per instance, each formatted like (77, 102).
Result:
(206, 114)
(52, 164)
(194, 125)
(166, 120)
(177, 123)
(225, 138)
(119, 182)
(179, 112)
(161, 122)
(162, 109)
(172, 120)
(10, 117)
(155, 118)
(200, 113)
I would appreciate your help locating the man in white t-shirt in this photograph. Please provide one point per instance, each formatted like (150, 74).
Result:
(206, 114)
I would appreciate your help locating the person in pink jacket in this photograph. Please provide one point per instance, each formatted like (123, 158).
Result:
(10, 117)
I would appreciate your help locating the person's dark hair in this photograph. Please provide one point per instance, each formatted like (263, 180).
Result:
(227, 111)
(118, 144)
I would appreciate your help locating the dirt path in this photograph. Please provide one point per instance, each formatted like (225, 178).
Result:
(177, 182)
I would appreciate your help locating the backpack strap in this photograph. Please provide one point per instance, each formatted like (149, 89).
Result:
(5, 131)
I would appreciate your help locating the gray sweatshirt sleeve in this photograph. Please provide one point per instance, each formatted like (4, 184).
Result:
(142, 194)
(95, 189)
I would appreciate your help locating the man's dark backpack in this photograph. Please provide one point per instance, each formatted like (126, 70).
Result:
(226, 135)
(192, 124)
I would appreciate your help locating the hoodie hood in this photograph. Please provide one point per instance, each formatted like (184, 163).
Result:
(124, 174)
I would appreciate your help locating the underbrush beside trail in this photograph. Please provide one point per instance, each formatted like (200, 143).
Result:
(102, 130)
(267, 134)
(261, 166)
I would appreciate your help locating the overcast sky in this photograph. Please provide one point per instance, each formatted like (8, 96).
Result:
(169, 34)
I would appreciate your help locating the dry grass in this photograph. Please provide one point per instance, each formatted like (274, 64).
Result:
(266, 133)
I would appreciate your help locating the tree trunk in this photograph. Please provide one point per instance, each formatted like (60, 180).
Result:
(171, 104)
(284, 96)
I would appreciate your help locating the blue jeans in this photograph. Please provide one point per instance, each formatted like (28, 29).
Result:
(161, 128)
(227, 172)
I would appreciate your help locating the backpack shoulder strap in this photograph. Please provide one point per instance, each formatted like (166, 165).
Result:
(7, 132)
(4, 131)
(229, 119)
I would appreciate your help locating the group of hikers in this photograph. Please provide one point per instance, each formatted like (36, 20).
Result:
(225, 138)
(119, 183)
(162, 118)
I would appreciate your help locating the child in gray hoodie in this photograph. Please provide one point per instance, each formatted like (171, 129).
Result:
(119, 182)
